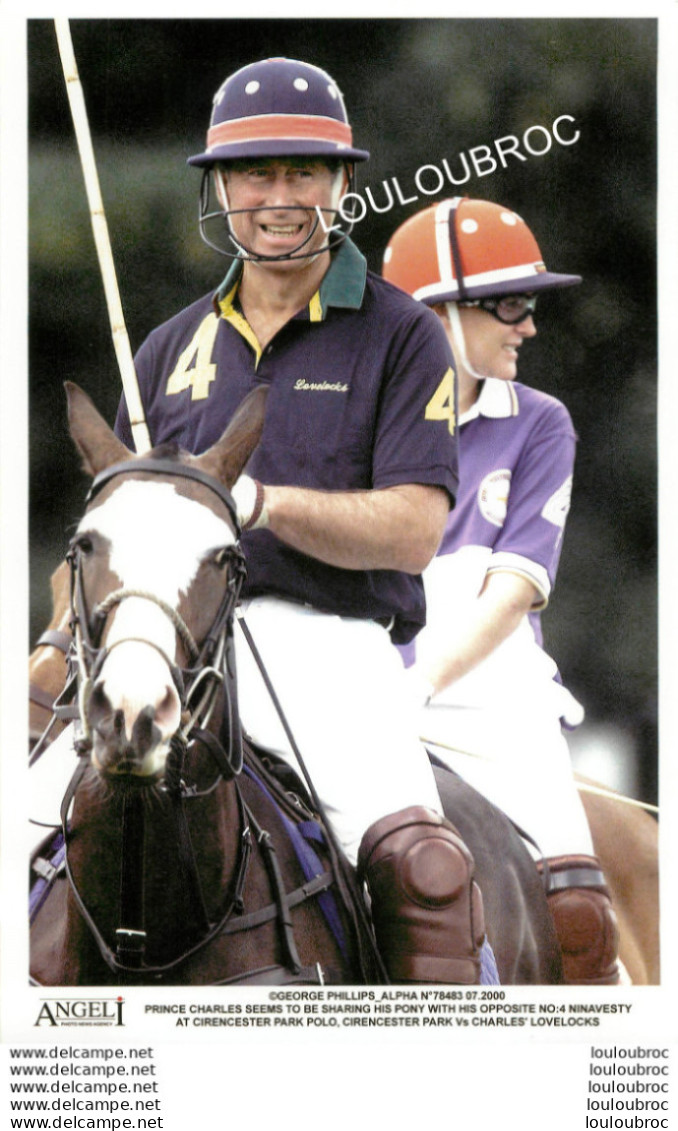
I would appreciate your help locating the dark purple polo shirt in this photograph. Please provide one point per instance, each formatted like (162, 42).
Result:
(358, 400)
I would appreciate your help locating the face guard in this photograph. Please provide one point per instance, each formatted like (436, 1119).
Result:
(217, 231)
(278, 108)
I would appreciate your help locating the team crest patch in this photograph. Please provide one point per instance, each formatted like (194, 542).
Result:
(493, 495)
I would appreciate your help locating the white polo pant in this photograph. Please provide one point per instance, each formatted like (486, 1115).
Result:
(342, 687)
(520, 761)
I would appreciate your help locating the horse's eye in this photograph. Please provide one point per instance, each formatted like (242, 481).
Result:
(85, 544)
(221, 558)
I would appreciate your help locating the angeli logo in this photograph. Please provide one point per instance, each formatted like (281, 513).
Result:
(92, 1012)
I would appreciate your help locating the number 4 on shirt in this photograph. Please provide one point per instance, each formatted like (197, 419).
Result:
(442, 404)
(195, 369)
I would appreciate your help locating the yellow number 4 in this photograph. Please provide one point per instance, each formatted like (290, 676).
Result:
(441, 405)
(195, 369)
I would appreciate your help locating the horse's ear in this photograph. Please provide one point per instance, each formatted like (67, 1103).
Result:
(97, 443)
(226, 459)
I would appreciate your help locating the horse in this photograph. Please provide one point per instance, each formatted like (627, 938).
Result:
(172, 874)
(625, 838)
(626, 841)
(179, 859)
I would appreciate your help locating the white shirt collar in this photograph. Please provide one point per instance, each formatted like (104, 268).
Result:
(497, 399)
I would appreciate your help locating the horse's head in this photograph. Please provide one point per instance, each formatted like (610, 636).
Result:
(153, 561)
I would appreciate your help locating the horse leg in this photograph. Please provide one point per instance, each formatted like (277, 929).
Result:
(626, 842)
(426, 909)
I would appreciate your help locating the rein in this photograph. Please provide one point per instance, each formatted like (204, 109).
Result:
(128, 958)
(212, 668)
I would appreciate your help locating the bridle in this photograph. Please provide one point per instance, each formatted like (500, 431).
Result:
(211, 668)
(211, 664)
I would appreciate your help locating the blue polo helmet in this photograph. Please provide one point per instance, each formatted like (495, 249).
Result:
(278, 108)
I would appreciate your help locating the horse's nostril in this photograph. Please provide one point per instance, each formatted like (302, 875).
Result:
(132, 723)
(100, 707)
(168, 711)
(144, 732)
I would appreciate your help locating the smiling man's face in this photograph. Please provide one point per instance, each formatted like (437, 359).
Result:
(280, 197)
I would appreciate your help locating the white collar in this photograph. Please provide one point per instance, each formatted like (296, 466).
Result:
(497, 399)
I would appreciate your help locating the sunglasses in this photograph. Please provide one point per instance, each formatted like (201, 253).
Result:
(510, 309)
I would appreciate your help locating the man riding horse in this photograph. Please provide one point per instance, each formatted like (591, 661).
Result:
(346, 498)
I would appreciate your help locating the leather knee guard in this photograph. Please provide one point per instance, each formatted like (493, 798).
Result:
(586, 925)
(426, 909)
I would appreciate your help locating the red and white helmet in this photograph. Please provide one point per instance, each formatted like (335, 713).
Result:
(464, 249)
(278, 108)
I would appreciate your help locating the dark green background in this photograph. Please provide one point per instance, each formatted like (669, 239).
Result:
(416, 91)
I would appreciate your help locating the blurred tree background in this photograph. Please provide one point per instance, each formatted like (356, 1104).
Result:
(417, 91)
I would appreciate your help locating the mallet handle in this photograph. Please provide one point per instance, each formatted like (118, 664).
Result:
(121, 344)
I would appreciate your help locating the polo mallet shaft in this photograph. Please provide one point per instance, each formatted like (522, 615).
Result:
(121, 344)
(582, 784)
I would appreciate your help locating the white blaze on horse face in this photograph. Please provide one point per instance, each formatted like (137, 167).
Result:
(157, 541)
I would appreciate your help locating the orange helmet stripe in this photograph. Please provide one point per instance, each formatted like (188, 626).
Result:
(280, 127)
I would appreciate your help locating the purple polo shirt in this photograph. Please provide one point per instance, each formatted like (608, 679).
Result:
(516, 450)
(352, 380)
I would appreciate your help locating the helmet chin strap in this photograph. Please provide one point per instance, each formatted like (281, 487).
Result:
(243, 252)
(460, 341)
